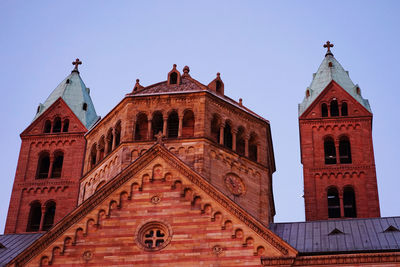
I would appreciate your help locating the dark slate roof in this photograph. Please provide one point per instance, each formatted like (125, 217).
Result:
(346, 235)
(14, 244)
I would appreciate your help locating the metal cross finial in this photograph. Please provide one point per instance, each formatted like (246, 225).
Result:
(76, 63)
(159, 137)
(328, 45)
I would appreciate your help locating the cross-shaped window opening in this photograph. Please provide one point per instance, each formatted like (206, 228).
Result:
(154, 238)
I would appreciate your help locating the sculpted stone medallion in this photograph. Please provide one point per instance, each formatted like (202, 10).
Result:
(234, 184)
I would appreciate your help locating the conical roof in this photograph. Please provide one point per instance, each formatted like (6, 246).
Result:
(75, 94)
(331, 70)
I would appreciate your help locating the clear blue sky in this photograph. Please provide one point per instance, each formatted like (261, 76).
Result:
(266, 52)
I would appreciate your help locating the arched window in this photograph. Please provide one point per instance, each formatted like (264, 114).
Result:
(35, 216)
(334, 108)
(57, 125)
(47, 127)
(141, 127)
(66, 125)
(240, 143)
(110, 139)
(117, 134)
(324, 110)
(157, 123)
(102, 148)
(215, 122)
(49, 214)
(344, 150)
(43, 166)
(218, 86)
(173, 78)
(330, 151)
(253, 147)
(188, 124)
(57, 164)
(173, 124)
(333, 203)
(228, 135)
(93, 154)
(344, 110)
(349, 202)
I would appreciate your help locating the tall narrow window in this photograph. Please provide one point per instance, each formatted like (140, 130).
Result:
(173, 124)
(334, 108)
(43, 166)
(228, 135)
(344, 150)
(173, 78)
(215, 122)
(344, 110)
(333, 203)
(141, 127)
(110, 139)
(349, 202)
(240, 143)
(157, 123)
(324, 110)
(47, 127)
(49, 214)
(118, 134)
(330, 151)
(102, 148)
(253, 147)
(57, 125)
(57, 164)
(188, 124)
(66, 126)
(93, 153)
(35, 216)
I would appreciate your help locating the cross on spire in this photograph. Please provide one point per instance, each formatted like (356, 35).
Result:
(76, 63)
(328, 45)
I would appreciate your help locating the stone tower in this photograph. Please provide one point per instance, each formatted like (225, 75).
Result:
(50, 162)
(336, 146)
(219, 138)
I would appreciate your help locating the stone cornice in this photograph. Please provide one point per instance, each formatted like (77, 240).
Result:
(47, 182)
(342, 167)
(94, 200)
(51, 136)
(335, 120)
(338, 259)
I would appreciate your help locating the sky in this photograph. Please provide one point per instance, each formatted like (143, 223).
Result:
(266, 52)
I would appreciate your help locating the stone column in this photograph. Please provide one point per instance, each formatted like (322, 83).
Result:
(98, 153)
(337, 151)
(165, 119)
(180, 126)
(234, 133)
(114, 144)
(246, 145)
(221, 133)
(51, 159)
(42, 218)
(149, 129)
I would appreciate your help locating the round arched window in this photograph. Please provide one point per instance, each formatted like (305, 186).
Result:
(153, 236)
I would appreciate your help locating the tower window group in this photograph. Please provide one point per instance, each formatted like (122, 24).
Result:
(343, 205)
(344, 150)
(50, 165)
(56, 126)
(334, 109)
(35, 220)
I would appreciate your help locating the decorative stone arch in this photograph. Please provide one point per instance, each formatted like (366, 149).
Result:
(101, 148)
(57, 125)
(93, 155)
(117, 133)
(109, 141)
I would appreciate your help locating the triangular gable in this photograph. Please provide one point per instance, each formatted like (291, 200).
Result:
(222, 228)
(58, 108)
(328, 88)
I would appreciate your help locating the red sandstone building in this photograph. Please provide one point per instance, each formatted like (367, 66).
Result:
(179, 174)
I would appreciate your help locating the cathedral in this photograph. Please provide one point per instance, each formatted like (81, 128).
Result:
(179, 174)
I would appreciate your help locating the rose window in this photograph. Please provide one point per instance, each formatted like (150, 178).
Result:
(154, 236)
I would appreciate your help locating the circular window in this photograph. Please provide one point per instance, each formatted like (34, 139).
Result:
(154, 236)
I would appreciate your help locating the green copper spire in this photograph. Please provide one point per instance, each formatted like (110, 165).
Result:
(331, 70)
(75, 93)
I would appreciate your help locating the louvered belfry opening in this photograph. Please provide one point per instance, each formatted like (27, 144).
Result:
(330, 151)
(345, 150)
(49, 215)
(57, 164)
(43, 166)
(349, 202)
(35, 216)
